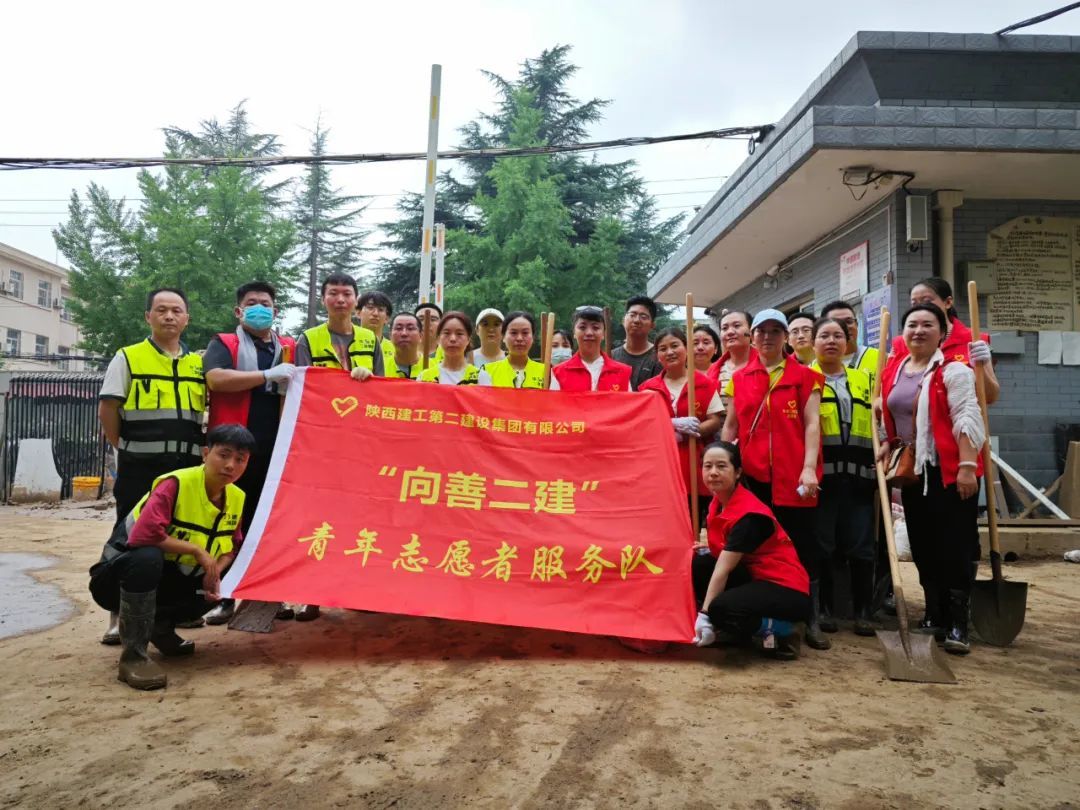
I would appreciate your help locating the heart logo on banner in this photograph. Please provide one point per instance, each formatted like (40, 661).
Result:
(344, 406)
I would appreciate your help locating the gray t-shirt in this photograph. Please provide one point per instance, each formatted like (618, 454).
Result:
(341, 345)
(645, 366)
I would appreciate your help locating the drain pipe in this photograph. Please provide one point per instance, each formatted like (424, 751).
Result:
(945, 203)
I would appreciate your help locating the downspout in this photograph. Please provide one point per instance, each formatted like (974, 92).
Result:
(945, 203)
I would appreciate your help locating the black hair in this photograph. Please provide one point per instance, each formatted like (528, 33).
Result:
(934, 309)
(565, 335)
(731, 449)
(153, 293)
(513, 316)
(342, 279)
(406, 315)
(942, 289)
(806, 315)
(378, 298)
(746, 316)
(588, 313)
(708, 330)
(428, 305)
(835, 305)
(456, 315)
(824, 319)
(236, 436)
(642, 301)
(671, 331)
(256, 286)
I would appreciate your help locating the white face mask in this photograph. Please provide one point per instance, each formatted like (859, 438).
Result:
(560, 354)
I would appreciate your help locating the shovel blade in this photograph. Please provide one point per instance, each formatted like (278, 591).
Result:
(253, 616)
(925, 663)
(998, 608)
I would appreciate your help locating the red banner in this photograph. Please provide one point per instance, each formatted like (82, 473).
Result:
(531, 508)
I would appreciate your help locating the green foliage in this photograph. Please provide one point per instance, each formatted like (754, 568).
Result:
(206, 231)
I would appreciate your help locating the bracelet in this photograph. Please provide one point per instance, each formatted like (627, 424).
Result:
(969, 464)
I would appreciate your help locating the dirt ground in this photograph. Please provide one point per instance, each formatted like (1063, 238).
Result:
(366, 710)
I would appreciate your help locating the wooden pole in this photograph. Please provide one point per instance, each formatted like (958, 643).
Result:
(549, 338)
(691, 408)
(424, 285)
(605, 345)
(425, 339)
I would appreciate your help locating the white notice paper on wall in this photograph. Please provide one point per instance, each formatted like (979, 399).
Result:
(1049, 348)
(1070, 348)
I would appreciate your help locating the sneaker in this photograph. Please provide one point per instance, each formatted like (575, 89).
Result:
(285, 613)
(221, 613)
(307, 613)
(1073, 556)
(192, 624)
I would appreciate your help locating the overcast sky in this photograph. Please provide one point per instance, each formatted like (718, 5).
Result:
(100, 79)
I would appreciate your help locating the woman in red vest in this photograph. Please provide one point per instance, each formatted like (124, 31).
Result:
(959, 343)
(671, 385)
(735, 343)
(775, 416)
(590, 369)
(929, 401)
(751, 580)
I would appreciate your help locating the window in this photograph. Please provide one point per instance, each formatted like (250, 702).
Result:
(12, 344)
(15, 283)
(44, 294)
(41, 346)
(64, 351)
(65, 309)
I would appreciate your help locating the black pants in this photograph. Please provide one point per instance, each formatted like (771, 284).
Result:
(252, 482)
(134, 478)
(845, 519)
(800, 523)
(943, 530)
(144, 569)
(745, 601)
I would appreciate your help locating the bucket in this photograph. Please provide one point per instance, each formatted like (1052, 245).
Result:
(85, 487)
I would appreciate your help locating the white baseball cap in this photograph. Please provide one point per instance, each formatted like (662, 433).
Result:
(489, 311)
(769, 315)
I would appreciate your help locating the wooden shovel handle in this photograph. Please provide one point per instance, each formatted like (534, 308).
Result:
(691, 407)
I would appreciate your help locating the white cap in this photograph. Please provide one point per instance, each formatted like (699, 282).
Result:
(767, 315)
(489, 311)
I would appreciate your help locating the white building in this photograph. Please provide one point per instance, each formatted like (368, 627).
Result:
(36, 328)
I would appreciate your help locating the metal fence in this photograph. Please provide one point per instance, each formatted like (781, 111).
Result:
(61, 406)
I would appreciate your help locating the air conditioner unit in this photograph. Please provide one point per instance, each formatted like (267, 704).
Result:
(918, 218)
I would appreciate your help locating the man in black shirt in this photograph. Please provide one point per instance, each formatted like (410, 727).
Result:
(247, 372)
(637, 352)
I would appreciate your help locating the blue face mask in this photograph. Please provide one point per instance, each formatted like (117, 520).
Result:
(258, 316)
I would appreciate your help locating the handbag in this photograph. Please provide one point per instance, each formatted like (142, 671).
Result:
(900, 467)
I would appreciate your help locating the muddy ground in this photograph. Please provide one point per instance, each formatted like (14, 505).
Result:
(366, 710)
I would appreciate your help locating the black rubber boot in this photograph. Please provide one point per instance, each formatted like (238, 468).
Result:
(862, 596)
(825, 598)
(136, 624)
(168, 643)
(814, 637)
(956, 640)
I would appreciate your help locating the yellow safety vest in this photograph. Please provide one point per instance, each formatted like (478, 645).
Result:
(194, 519)
(472, 375)
(865, 360)
(387, 351)
(361, 350)
(391, 369)
(504, 375)
(847, 448)
(164, 407)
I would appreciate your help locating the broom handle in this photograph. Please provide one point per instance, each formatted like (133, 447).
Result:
(989, 474)
(883, 491)
(605, 344)
(425, 341)
(549, 338)
(691, 409)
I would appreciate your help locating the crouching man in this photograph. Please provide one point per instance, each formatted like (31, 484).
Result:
(163, 564)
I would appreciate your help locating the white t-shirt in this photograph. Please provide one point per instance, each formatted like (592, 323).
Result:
(117, 382)
(479, 359)
(675, 391)
(451, 377)
(594, 367)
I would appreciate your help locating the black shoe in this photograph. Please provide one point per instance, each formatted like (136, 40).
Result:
(956, 639)
(167, 642)
(930, 623)
(816, 639)
(862, 597)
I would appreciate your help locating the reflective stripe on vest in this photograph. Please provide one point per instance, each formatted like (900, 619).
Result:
(472, 375)
(195, 519)
(852, 454)
(504, 375)
(164, 406)
(361, 350)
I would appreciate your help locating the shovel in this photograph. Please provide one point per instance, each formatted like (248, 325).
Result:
(691, 408)
(907, 657)
(997, 607)
(253, 616)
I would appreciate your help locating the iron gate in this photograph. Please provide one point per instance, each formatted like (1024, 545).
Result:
(61, 406)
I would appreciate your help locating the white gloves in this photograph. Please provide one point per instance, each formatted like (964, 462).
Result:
(687, 426)
(360, 373)
(704, 634)
(979, 351)
(281, 374)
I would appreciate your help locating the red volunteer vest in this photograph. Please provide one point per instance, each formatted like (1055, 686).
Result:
(231, 407)
(573, 376)
(704, 389)
(774, 453)
(954, 348)
(775, 560)
(948, 451)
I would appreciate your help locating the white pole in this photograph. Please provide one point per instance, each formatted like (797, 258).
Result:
(440, 264)
(424, 287)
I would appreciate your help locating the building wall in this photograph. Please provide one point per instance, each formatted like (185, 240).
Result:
(22, 312)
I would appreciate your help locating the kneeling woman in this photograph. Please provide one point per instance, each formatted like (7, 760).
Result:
(454, 332)
(751, 581)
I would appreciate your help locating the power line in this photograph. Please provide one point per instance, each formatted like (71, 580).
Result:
(1034, 20)
(754, 133)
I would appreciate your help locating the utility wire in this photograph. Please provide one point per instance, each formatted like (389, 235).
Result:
(755, 133)
(1034, 20)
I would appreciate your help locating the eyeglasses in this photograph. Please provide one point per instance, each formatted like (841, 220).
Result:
(404, 328)
(639, 316)
(845, 321)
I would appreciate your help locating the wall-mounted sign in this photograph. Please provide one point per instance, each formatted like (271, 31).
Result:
(872, 304)
(1037, 269)
(855, 271)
